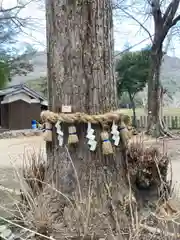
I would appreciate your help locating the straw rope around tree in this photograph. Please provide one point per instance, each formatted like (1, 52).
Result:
(48, 116)
(119, 127)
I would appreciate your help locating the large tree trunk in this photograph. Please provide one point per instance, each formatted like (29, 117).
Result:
(81, 74)
(80, 44)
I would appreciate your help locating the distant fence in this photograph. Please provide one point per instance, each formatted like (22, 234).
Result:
(172, 122)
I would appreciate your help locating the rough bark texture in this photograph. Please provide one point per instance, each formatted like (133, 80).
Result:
(80, 44)
(134, 123)
(81, 74)
(154, 88)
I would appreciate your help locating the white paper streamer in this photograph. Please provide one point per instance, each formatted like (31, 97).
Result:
(115, 133)
(90, 135)
(59, 133)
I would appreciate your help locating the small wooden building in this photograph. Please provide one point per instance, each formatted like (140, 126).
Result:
(19, 105)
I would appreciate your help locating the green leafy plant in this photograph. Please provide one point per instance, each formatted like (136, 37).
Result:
(132, 74)
(4, 73)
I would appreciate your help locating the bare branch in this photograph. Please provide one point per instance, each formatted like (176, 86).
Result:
(156, 11)
(2, 10)
(136, 20)
(170, 13)
(168, 21)
(18, 7)
(167, 11)
(175, 21)
(11, 25)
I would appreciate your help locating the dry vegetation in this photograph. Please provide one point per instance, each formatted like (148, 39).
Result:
(50, 211)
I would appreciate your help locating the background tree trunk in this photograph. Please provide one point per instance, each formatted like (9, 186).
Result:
(154, 89)
(131, 98)
(163, 24)
(156, 125)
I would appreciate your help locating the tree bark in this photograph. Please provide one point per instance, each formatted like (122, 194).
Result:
(156, 125)
(81, 74)
(133, 109)
(154, 88)
(80, 43)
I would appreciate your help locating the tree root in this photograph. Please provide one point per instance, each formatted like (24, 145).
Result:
(163, 129)
(159, 129)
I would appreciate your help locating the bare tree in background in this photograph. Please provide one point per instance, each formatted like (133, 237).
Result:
(164, 18)
(163, 23)
(12, 28)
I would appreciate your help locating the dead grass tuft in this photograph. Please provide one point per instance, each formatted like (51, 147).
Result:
(148, 170)
(51, 212)
(34, 172)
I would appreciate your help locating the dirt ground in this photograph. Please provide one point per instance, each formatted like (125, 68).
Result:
(13, 152)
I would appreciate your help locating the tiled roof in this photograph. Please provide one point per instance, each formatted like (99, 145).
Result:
(20, 87)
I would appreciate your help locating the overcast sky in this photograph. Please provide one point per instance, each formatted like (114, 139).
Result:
(124, 31)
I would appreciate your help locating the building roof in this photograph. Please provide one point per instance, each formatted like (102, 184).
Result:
(21, 88)
(19, 91)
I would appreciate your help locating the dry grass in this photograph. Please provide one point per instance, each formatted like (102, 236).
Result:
(50, 212)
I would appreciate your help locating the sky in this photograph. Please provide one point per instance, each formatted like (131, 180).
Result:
(126, 32)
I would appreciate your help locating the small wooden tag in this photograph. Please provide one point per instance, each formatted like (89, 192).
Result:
(66, 109)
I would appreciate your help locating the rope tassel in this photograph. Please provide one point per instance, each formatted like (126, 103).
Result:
(73, 138)
(48, 132)
(106, 144)
(124, 134)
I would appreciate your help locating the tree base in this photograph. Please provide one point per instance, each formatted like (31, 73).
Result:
(158, 129)
(113, 198)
